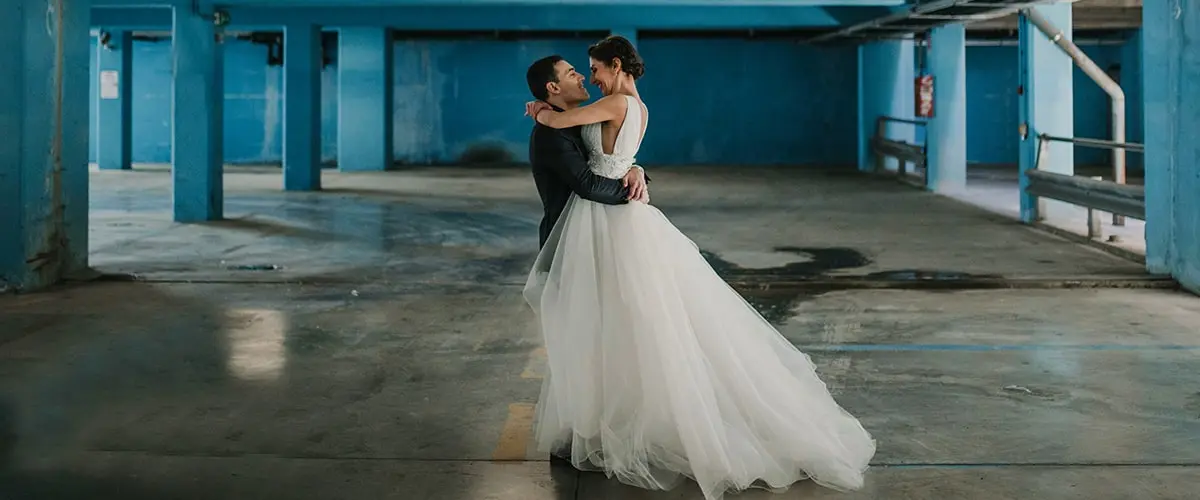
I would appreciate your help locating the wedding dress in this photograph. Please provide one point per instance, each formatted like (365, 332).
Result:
(660, 371)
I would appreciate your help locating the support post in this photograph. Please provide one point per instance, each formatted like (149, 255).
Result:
(365, 91)
(114, 104)
(947, 130)
(198, 99)
(1046, 104)
(1172, 123)
(302, 108)
(1103, 79)
(886, 70)
(1095, 231)
(43, 157)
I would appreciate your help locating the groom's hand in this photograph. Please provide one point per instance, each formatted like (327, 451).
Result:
(635, 180)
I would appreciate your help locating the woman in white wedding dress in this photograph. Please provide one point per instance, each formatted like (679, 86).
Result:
(658, 369)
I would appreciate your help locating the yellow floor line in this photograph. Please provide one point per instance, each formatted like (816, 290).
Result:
(536, 366)
(517, 430)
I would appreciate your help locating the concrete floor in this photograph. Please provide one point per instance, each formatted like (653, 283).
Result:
(370, 341)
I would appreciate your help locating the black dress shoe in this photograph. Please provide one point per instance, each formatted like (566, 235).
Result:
(561, 457)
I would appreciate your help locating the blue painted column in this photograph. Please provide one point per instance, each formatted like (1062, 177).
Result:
(1046, 104)
(947, 131)
(629, 33)
(886, 70)
(114, 105)
(43, 157)
(1172, 124)
(365, 107)
(198, 100)
(302, 108)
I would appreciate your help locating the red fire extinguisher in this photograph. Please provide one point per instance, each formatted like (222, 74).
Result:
(923, 85)
(924, 96)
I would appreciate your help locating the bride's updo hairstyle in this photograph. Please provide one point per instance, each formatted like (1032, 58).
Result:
(618, 48)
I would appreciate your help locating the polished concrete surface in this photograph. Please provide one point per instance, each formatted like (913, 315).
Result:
(370, 341)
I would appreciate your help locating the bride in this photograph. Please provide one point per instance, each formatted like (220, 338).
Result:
(658, 369)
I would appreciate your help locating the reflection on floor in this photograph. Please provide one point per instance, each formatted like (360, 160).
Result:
(370, 341)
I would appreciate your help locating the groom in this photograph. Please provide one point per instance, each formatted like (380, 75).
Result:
(559, 158)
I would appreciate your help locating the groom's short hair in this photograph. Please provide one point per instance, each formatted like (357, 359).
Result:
(540, 73)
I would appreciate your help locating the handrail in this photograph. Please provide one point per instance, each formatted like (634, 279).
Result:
(1119, 199)
(903, 152)
(1096, 143)
(909, 121)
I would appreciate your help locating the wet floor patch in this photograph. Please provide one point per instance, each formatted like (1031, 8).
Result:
(254, 267)
(928, 275)
(776, 306)
(811, 261)
(815, 265)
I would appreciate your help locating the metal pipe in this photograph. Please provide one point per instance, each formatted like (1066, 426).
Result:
(1111, 87)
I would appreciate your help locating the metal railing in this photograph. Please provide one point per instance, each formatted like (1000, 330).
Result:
(883, 148)
(1117, 198)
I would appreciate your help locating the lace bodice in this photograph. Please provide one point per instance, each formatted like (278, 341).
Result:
(629, 138)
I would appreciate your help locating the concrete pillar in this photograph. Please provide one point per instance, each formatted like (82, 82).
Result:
(886, 70)
(365, 79)
(114, 105)
(1046, 104)
(629, 33)
(302, 108)
(43, 157)
(1172, 123)
(197, 118)
(947, 130)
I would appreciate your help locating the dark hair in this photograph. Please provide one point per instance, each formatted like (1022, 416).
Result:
(540, 73)
(618, 47)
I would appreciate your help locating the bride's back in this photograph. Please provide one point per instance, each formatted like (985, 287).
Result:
(611, 149)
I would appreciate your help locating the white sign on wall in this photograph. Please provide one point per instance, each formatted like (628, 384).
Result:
(109, 85)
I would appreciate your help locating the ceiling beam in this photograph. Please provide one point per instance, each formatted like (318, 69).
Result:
(529, 18)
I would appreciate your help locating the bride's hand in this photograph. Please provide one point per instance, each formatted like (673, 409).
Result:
(532, 108)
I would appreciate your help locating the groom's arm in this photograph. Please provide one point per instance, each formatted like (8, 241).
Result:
(566, 160)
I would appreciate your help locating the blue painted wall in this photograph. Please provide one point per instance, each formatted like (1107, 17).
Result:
(463, 98)
(750, 102)
(253, 104)
(992, 113)
(459, 99)
(455, 96)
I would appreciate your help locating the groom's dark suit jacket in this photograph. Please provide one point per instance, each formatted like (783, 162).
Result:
(559, 161)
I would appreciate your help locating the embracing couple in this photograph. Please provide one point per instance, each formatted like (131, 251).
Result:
(658, 369)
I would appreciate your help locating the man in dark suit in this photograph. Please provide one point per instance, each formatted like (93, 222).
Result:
(559, 157)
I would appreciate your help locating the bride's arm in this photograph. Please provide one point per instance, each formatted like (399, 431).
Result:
(606, 109)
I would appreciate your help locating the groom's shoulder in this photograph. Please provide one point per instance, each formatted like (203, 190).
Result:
(550, 133)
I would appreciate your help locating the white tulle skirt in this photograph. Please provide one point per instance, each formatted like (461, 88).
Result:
(660, 371)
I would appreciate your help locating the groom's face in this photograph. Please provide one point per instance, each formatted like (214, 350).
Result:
(570, 83)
